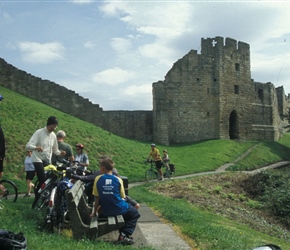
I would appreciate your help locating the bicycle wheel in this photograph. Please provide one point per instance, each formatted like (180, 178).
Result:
(172, 174)
(150, 175)
(41, 199)
(168, 173)
(53, 219)
(10, 192)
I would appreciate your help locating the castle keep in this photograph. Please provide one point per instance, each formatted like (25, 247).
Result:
(212, 96)
(204, 96)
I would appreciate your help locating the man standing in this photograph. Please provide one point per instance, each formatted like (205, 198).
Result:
(60, 135)
(42, 144)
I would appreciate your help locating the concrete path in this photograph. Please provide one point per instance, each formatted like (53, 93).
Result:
(151, 231)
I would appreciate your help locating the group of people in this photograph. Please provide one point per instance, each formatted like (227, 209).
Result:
(159, 161)
(45, 147)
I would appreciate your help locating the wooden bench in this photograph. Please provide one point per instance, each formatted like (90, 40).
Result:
(83, 226)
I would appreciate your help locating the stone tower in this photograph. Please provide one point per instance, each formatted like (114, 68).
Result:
(211, 96)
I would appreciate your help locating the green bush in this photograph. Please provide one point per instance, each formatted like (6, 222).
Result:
(272, 188)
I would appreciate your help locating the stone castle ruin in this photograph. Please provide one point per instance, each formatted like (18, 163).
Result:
(212, 96)
(204, 96)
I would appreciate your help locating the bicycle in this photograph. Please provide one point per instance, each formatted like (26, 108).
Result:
(57, 206)
(152, 174)
(9, 191)
(53, 175)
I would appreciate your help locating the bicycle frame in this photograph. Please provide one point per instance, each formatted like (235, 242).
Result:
(152, 173)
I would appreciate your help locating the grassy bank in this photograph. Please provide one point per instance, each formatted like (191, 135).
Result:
(21, 116)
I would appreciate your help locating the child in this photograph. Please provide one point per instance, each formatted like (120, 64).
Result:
(165, 158)
(30, 172)
(109, 192)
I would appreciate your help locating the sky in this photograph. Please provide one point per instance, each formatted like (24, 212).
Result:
(111, 52)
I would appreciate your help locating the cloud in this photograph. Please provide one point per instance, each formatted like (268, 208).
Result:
(136, 90)
(82, 1)
(41, 53)
(120, 45)
(161, 19)
(89, 45)
(165, 53)
(113, 76)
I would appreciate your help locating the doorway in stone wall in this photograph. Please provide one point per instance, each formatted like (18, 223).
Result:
(234, 125)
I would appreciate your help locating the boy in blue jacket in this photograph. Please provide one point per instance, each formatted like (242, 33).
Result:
(109, 192)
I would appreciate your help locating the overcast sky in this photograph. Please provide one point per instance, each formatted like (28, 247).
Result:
(112, 51)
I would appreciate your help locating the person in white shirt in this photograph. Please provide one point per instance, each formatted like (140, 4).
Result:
(42, 144)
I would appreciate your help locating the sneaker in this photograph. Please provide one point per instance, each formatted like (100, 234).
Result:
(26, 195)
(125, 240)
(161, 179)
(5, 193)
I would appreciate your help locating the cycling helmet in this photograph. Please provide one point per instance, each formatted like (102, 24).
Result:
(79, 145)
(10, 240)
(268, 247)
(62, 186)
(164, 150)
(153, 145)
(1, 98)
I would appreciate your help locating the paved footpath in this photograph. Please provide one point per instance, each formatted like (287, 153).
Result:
(151, 231)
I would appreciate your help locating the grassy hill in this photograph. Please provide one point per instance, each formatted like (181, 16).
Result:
(21, 116)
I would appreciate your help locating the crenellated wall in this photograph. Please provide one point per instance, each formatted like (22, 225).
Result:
(204, 96)
(211, 96)
(129, 124)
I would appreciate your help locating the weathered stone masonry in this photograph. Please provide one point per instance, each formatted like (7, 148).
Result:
(212, 96)
(204, 96)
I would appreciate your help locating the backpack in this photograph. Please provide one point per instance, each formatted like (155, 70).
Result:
(12, 241)
(172, 167)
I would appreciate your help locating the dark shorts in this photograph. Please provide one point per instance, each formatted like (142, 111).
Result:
(158, 164)
(1, 165)
(30, 175)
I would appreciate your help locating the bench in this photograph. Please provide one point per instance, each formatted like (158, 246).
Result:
(83, 226)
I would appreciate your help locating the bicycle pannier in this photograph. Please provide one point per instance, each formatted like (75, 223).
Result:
(172, 167)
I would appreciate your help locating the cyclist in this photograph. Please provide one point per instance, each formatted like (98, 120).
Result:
(109, 192)
(81, 157)
(60, 135)
(2, 154)
(42, 144)
(30, 172)
(165, 158)
(154, 153)
(89, 181)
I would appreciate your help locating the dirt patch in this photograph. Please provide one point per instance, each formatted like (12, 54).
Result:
(224, 194)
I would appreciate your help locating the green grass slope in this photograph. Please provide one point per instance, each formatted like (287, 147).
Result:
(21, 116)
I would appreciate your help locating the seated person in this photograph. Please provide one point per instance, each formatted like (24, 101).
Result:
(89, 180)
(109, 193)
